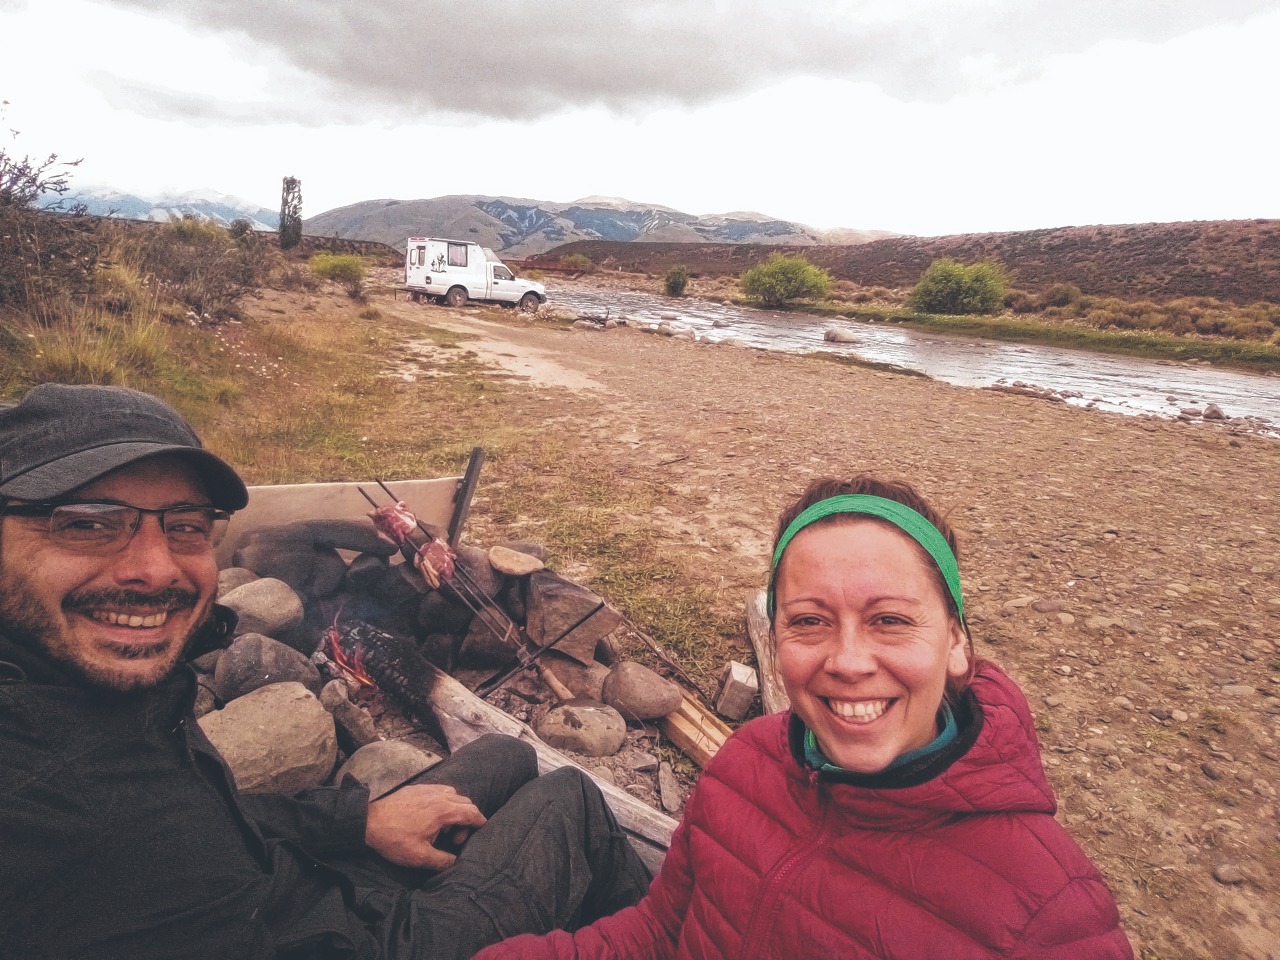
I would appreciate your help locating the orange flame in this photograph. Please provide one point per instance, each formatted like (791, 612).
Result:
(351, 666)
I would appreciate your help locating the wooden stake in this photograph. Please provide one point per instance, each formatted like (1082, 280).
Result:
(772, 695)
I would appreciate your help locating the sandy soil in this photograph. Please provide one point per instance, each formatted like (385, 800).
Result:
(1124, 570)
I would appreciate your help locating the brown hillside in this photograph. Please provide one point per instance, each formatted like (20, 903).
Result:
(1233, 260)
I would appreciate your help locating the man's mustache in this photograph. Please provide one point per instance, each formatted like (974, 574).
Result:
(168, 599)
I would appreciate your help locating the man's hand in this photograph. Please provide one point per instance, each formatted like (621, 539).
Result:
(404, 826)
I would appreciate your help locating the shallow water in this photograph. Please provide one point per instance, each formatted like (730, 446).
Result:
(1122, 384)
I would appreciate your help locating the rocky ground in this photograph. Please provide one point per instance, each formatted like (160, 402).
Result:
(1124, 570)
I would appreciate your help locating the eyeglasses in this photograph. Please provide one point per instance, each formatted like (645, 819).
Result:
(105, 528)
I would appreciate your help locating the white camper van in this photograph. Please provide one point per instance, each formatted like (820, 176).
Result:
(456, 271)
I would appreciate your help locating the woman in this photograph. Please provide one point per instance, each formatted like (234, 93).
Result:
(899, 809)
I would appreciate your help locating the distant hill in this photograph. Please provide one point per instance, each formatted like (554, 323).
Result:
(221, 208)
(519, 228)
(1233, 260)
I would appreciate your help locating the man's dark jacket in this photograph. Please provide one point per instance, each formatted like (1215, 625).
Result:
(122, 834)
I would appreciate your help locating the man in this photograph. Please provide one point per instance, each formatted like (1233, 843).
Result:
(121, 832)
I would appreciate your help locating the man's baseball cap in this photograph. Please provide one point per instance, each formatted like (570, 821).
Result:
(58, 438)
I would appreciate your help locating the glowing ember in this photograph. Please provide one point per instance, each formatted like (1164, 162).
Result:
(350, 663)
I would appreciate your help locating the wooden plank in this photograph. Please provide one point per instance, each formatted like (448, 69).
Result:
(772, 695)
(464, 717)
(695, 730)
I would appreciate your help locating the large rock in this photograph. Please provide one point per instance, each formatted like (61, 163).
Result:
(304, 553)
(585, 727)
(525, 546)
(839, 335)
(477, 573)
(440, 614)
(555, 604)
(586, 680)
(233, 577)
(386, 764)
(278, 739)
(488, 643)
(513, 562)
(254, 661)
(365, 572)
(638, 693)
(267, 606)
(355, 727)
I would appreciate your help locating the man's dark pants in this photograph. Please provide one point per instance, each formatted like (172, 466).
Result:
(551, 856)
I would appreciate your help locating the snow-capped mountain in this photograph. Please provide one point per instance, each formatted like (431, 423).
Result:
(221, 208)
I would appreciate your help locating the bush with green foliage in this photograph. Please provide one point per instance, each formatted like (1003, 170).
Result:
(676, 280)
(578, 261)
(781, 279)
(953, 288)
(345, 269)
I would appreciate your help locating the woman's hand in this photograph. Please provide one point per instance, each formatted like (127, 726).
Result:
(404, 826)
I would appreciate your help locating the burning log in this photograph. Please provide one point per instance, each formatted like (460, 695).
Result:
(392, 664)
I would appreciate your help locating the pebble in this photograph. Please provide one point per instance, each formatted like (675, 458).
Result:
(1210, 771)
(1053, 701)
(1181, 716)
(1161, 713)
(1238, 690)
(1228, 873)
(1064, 670)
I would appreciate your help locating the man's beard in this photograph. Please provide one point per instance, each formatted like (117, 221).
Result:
(28, 621)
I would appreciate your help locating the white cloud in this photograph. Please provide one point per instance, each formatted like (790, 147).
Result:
(1118, 120)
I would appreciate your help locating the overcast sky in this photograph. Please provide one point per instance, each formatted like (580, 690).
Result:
(919, 116)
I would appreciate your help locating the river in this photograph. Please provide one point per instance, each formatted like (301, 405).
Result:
(1100, 381)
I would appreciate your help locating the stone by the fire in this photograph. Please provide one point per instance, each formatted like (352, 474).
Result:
(278, 739)
(638, 693)
(355, 728)
(488, 643)
(440, 614)
(592, 729)
(584, 679)
(525, 546)
(555, 604)
(478, 573)
(254, 660)
(233, 577)
(513, 562)
(365, 572)
(669, 792)
(386, 764)
(267, 606)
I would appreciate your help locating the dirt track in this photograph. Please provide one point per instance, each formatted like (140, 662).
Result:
(1125, 571)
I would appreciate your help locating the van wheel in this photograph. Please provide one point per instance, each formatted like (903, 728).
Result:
(456, 297)
(530, 303)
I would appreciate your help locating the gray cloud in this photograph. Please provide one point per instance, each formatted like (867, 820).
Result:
(516, 59)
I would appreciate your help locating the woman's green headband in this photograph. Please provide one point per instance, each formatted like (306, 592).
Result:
(903, 517)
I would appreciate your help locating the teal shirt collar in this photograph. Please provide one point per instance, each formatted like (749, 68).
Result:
(814, 756)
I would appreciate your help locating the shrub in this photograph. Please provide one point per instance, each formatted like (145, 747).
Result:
(340, 268)
(781, 279)
(953, 288)
(577, 261)
(676, 280)
(1019, 301)
(1060, 295)
(194, 261)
